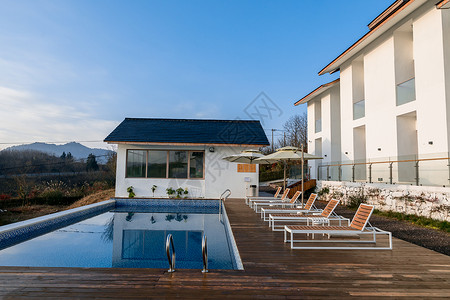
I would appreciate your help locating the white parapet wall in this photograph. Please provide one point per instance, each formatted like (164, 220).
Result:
(428, 201)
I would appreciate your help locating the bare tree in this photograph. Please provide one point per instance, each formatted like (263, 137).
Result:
(295, 132)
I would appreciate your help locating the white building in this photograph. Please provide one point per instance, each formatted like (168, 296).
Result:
(185, 153)
(392, 101)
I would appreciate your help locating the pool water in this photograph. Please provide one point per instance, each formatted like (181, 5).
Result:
(129, 239)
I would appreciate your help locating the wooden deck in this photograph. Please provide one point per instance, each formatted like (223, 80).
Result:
(272, 270)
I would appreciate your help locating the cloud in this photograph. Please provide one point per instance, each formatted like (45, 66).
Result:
(26, 117)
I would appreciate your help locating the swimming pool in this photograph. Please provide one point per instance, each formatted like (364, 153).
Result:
(124, 233)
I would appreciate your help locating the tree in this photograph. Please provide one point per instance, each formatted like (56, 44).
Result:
(91, 163)
(69, 156)
(295, 132)
(63, 156)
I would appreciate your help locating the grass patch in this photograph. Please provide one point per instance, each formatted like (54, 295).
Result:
(418, 220)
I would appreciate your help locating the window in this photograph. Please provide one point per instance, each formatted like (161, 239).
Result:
(157, 164)
(196, 164)
(406, 92)
(178, 164)
(359, 110)
(318, 127)
(136, 160)
(165, 164)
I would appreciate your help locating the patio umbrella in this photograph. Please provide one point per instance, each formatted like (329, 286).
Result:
(287, 154)
(247, 157)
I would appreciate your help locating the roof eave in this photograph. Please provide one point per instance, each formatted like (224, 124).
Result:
(186, 144)
(317, 92)
(370, 36)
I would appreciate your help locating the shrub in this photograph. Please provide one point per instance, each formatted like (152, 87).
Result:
(323, 191)
(130, 191)
(5, 197)
(356, 200)
(52, 197)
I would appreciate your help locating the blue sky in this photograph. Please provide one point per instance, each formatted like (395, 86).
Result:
(73, 70)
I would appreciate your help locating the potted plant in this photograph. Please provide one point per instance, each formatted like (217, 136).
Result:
(130, 191)
(170, 192)
(185, 192)
(153, 190)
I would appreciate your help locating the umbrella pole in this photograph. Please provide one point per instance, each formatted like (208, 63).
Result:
(303, 160)
(284, 181)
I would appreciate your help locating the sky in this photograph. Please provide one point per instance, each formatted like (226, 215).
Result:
(73, 70)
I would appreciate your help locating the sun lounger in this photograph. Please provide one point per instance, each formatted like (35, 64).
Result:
(359, 228)
(276, 196)
(283, 198)
(308, 208)
(290, 203)
(309, 218)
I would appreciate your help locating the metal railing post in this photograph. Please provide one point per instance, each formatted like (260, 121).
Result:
(370, 173)
(339, 173)
(417, 172)
(328, 173)
(353, 173)
(390, 172)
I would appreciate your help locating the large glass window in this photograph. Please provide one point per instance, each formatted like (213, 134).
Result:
(406, 92)
(165, 164)
(178, 164)
(136, 160)
(196, 164)
(157, 164)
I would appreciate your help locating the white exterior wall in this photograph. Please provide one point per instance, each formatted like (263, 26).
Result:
(431, 56)
(330, 134)
(219, 175)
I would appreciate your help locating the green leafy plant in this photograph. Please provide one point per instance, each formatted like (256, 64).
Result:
(170, 192)
(180, 192)
(323, 191)
(185, 192)
(130, 191)
(355, 200)
(154, 189)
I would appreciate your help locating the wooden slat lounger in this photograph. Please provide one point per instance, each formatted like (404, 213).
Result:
(290, 203)
(358, 226)
(276, 196)
(309, 208)
(284, 197)
(309, 218)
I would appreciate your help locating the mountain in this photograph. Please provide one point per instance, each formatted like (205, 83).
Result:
(77, 150)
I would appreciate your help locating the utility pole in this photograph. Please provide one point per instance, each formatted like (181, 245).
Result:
(272, 138)
(284, 139)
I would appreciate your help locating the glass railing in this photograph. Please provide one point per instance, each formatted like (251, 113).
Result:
(359, 109)
(406, 92)
(430, 170)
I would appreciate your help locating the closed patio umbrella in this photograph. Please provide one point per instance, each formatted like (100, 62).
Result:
(287, 154)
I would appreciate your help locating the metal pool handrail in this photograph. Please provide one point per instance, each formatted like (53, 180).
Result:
(169, 242)
(223, 197)
(205, 254)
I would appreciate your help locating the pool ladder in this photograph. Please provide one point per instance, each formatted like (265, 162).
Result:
(171, 258)
(224, 196)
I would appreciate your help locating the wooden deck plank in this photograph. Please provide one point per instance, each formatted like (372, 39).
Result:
(272, 271)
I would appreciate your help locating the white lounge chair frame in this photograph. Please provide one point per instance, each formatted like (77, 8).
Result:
(324, 217)
(265, 211)
(284, 198)
(288, 203)
(359, 226)
(274, 197)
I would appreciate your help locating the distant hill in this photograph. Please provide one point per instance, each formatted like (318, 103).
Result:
(77, 150)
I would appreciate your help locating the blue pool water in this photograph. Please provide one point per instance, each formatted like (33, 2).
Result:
(130, 237)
